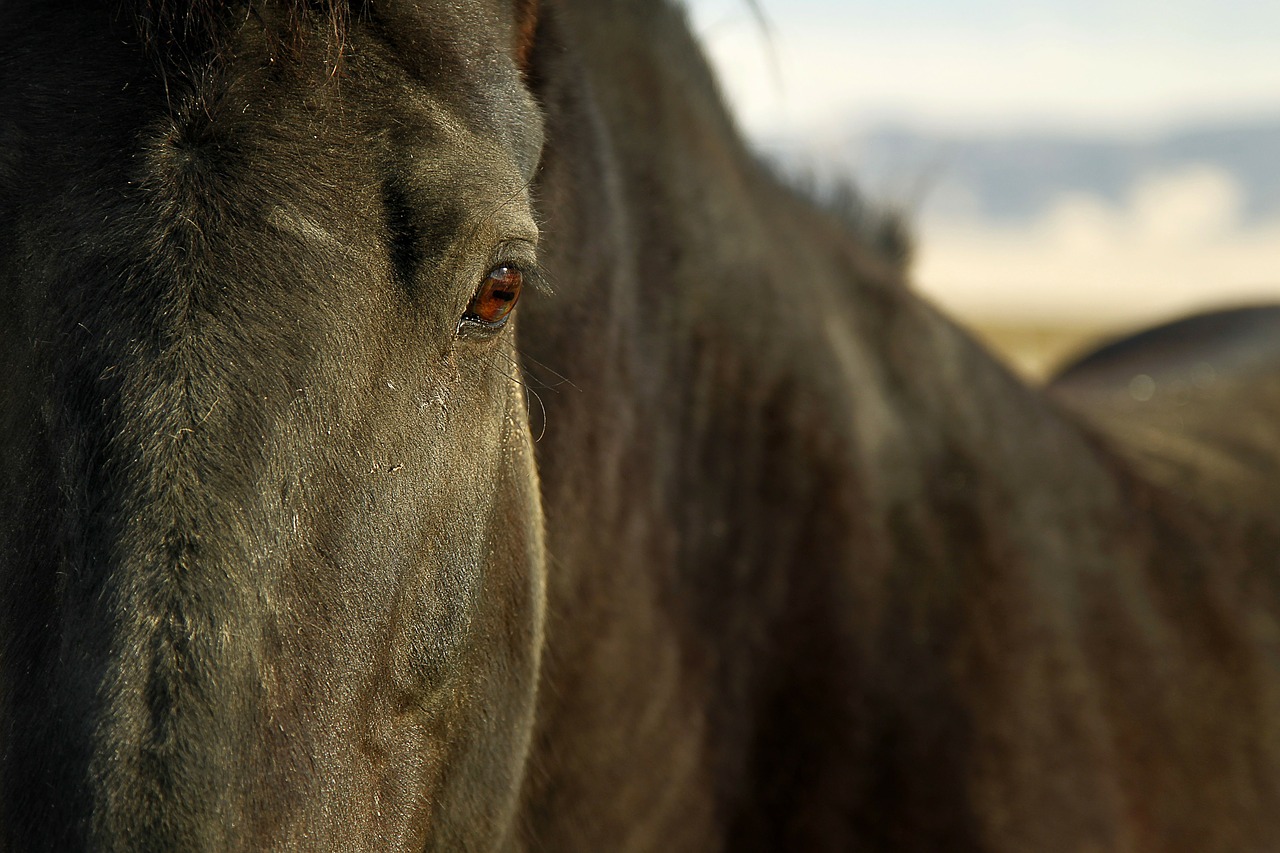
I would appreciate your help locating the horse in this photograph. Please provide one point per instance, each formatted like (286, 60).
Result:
(777, 558)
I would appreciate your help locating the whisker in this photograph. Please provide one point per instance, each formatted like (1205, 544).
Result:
(542, 429)
(564, 380)
(528, 391)
(529, 377)
(532, 377)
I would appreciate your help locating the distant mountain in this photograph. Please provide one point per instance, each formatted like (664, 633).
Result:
(1012, 178)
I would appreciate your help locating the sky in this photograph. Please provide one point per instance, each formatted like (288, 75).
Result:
(1175, 242)
(1116, 65)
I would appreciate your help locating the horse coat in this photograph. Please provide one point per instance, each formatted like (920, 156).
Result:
(794, 564)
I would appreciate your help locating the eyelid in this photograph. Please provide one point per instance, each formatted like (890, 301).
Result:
(522, 255)
(516, 252)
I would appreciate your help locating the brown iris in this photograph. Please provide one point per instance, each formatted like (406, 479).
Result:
(496, 297)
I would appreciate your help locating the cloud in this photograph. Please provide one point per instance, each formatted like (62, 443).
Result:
(1175, 242)
(962, 64)
(1175, 245)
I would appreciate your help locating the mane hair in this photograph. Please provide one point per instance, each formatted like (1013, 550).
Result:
(200, 28)
(526, 30)
(884, 229)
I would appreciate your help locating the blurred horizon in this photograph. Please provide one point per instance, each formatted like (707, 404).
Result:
(1096, 163)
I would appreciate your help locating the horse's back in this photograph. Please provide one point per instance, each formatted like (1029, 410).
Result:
(1238, 341)
(1196, 402)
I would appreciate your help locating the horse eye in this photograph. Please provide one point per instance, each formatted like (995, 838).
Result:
(493, 302)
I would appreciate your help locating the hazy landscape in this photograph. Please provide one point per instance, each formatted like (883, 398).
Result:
(1047, 239)
(1069, 170)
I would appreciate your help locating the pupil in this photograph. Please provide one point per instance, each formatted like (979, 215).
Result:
(498, 296)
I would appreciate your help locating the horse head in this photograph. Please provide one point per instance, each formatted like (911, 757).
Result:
(272, 539)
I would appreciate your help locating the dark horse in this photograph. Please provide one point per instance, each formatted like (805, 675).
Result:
(796, 566)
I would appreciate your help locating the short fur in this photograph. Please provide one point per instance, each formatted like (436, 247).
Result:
(796, 566)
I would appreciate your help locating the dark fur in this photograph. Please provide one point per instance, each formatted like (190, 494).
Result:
(817, 573)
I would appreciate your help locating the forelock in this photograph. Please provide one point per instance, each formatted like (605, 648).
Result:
(200, 28)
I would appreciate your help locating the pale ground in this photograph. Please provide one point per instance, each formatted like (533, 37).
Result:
(1036, 349)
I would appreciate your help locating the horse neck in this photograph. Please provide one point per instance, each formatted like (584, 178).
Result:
(776, 472)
